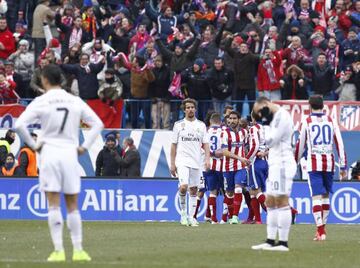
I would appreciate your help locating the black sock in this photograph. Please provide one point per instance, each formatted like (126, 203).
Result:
(283, 243)
(270, 241)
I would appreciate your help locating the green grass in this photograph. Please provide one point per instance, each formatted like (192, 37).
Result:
(27, 244)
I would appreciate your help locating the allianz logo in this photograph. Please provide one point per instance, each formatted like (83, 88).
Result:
(102, 200)
(345, 204)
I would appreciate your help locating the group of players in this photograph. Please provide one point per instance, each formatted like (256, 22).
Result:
(245, 158)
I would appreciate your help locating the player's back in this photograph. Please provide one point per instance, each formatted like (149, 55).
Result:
(214, 134)
(60, 114)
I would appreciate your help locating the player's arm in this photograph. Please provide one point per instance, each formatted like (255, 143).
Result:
(301, 142)
(341, 150)
(29, 116)
(274, 132)
(90, 118)
(253, 143)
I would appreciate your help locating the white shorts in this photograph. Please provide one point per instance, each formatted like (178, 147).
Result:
(59, 170)
(189, 176)
(280, 179)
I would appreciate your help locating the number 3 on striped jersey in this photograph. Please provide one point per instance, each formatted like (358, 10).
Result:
(66, 113)
(214, 141)
(322, 134)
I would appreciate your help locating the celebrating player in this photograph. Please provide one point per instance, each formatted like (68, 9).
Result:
(278, 129)
(258, 171)
(59, 114)
(189, 135)
(320, 133)
(234, 163)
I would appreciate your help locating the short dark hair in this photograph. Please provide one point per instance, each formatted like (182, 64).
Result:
(219, 58)
(52, 73)
(129, 141)
(321, 54)
(188, 100)
(236, 113)
(316, 102)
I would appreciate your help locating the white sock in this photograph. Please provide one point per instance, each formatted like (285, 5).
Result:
(75, 227)
(56, 224)
(284, 223)
(192, 205)
(325, 216)
(272, 223)
(182, 199)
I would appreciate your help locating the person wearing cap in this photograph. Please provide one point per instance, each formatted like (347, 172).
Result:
(5, 145)
(7, 40)
(27, 160)
(195, 79)
(110, 88)
(42, 13)
(10, 169)
(24, 65)
(106, 165)
(347, 89)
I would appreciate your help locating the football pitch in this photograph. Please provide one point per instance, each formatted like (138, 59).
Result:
(155, 244)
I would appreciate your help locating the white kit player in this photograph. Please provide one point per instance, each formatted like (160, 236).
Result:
(319, 133)
(59, 114)
(278, 129)
(189, 135)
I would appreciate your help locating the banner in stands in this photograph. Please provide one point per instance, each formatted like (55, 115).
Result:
(155, 200)
(9, 113)
(346, 113)
(154, 148)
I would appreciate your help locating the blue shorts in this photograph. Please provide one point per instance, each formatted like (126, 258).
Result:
(320, 182)
(258, 174)
(213, 180)
(235, 177)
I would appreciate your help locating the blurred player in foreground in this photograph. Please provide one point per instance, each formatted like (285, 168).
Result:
(278, 129)
(320, 133)
(189, 135)
(60, 114)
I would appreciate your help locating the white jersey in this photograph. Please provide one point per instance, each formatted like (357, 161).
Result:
(278, 138)
(60, 114)
(189, 136)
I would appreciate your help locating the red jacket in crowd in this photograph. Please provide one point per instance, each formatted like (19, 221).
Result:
(269, 73)
(8, 40)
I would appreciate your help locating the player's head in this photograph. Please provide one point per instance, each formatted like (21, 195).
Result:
(243, 123)
(260, 103)
(51, 77)
(215, 119)
(226, 120)
(207, 118)
(227, 110)
(316, 103)
(189, 107)
(234, 118)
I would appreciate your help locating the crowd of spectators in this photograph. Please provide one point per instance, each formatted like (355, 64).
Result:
(217, 52)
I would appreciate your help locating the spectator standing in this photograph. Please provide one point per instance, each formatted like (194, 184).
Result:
(269, 75)
(347, 88)
(350, 47)
(86, 74)
(27, 162)
(7, 40)
(160, 96)
(110, 89)
(105, 161)
(221, 83)
(293, 84)
(7, 90)
(24, 65)
(42, 14)
(5, 145)
(10, 169)
(245, 64)
(131, 161)
(12, 75)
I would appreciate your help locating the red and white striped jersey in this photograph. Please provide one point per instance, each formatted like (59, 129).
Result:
(234, 142)
(320, 133)
(214, 137)
(256, 141)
